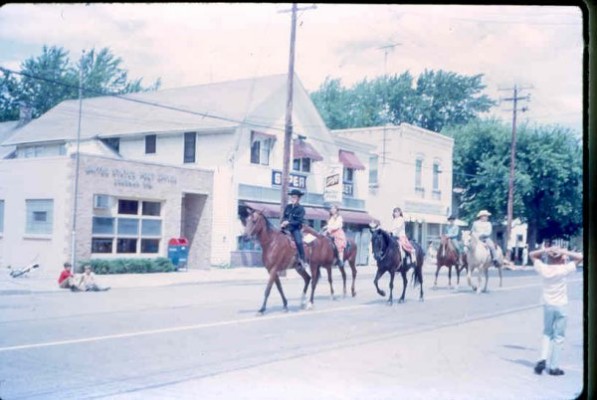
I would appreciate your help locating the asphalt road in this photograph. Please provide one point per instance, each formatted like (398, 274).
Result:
(205, 341)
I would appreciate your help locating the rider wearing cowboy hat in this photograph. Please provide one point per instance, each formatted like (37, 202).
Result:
(482, 229)
(452, 231)
(292, 220)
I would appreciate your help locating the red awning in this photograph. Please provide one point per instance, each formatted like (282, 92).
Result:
(273, 210)
(356, 217)
(302, 149)
(350, 160)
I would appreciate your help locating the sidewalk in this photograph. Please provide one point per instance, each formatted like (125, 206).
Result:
(45, 281)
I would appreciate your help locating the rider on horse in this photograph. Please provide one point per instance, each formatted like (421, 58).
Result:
(294, 214)
(482, 229)
(452, 231)
(399, 231)
(334, 229)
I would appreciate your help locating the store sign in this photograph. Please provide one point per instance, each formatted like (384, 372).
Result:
(332, 192)
(294, 180)
(130, 178)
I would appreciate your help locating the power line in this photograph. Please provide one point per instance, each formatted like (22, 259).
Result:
(244, 122)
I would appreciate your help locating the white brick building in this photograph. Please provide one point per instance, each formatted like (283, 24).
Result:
(210, 149)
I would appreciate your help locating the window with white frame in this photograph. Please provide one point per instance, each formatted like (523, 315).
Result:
(1, 217)
(435, 184)
(348, 182)
(419, 190)
(373, 167)
(150, 144)
(40, 214)
(261, 146)
(135, 229)
(190, 144)
(301, 164)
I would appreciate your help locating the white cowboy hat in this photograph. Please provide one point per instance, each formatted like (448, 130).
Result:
(483, 213)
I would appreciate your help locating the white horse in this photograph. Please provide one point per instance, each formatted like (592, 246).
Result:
(479, 258)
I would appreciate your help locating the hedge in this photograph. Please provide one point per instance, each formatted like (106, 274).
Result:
(129, 265)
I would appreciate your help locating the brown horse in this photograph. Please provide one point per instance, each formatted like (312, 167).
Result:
(448, 256)
(321, 253)
(278, 254)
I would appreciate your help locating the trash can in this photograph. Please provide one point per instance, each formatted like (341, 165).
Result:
(178, 252)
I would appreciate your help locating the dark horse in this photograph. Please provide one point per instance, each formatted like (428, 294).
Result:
(278, 253)
(388, 258)
(321, 253)
(448, 256)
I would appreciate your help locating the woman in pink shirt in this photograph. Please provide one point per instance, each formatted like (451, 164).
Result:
(335, 229)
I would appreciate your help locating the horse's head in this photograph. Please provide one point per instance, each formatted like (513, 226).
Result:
(255, 223)
(380, 241)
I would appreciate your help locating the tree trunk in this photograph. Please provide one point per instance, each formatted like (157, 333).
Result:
(532, 238)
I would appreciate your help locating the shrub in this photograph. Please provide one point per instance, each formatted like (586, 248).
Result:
(129, 265)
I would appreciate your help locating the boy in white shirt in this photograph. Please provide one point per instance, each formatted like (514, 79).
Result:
(555, 265)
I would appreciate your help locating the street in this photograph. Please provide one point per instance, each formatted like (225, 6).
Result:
(206, 341)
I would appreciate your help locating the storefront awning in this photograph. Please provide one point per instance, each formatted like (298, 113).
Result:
(350, 160)
(273, 210)
(429, 218)
(356, 217)
(302, 149)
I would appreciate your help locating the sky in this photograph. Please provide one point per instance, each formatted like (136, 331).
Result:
(537, 48)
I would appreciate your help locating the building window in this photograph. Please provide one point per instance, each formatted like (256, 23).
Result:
(435, 176)
(419, 190)
(190, 139)
(135, 229)
(261, 147)
(113, 143)
(373, 168)
(150, 144)
(348, 182)
(301, 164)
(1, 216)
(348, 175)
(40, 214)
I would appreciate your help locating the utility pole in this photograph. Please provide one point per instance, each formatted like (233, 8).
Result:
(288, 123)
(73, 256)
(386, 110)
(514, 99)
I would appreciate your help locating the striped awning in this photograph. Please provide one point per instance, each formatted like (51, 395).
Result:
(302, 149)
(350, 160)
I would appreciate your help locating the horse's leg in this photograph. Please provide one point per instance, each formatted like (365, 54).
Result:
(354, 277)
(306, 278)
(314, 281)
(457, 268)
(436, 273)
(500, 272)
(279, 286)
(479, 278)
(404, 284)
(391, 299)
(486, 279)
(419, 271)
(469, 274)
(272, 277)
(377, 276)
(343, 272)
(329, 269)
(450, 276)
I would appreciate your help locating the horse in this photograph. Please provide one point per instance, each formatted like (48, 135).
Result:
(278, 254)
(321, 253)
(479, 258)
(388, 257)
(448, 256)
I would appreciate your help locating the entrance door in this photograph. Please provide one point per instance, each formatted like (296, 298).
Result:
(191, 215)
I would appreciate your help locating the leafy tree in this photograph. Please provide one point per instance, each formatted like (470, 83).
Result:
(548, 176)
(50, 78)
(437, 100)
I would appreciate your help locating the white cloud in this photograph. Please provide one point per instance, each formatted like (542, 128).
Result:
(186, 44)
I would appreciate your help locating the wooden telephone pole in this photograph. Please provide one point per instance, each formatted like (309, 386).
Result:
(514, 99)
(288, 123)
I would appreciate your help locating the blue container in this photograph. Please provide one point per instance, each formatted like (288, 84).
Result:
(178, 252)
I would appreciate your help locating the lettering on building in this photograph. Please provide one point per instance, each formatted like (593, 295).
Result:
(123, 177)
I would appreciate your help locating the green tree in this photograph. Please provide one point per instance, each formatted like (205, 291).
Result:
(437, 100)
(548, 176)
(50, 78)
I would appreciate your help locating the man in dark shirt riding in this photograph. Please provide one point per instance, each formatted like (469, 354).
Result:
(294, 214)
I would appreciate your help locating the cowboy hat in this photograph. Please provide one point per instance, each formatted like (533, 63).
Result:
(483, 213)
(295, 192)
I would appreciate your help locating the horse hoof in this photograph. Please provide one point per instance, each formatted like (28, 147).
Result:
(390, 303)
(401, 301)
(354, 294)
(421, 300)
(382, 293)
(309, 306)
(260, 313)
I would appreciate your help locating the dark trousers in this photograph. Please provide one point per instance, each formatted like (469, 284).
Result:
(298, 239)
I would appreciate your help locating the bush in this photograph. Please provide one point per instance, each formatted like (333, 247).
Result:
(129, 265)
